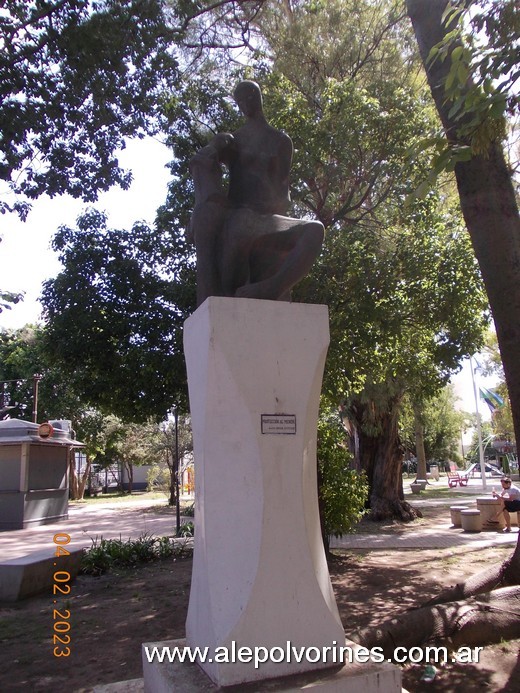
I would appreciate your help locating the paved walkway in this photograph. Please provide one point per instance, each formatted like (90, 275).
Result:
(91, 520)
(435, 535)
(137, 517)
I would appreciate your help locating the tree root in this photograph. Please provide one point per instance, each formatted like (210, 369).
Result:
(507, 573)
(477, 621)
(483, 609)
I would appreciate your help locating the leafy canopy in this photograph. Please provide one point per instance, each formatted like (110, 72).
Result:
(76, 78)
(115, 319)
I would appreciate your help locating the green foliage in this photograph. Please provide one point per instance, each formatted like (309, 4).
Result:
(115, 312)
(77, 78)
(8, 299)
(489, 34)
(189, 511)
(159, 479)
(339, 86)
(405, 297)
(187, 529)
(406, 302)
(115, 318)
(442, 426)
(502, 418)
(342, 491)
(22, 356)
(106, 554)
(481, 47)
(169, 440)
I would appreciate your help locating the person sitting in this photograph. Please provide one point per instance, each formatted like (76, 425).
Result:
(509, 502)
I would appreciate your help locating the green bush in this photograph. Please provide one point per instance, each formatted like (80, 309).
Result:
(187, 529)
(189, 510)
(105, 554)
(343, 491)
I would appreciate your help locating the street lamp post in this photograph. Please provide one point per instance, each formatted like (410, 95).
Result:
(177, 485)
(479, 430)
(36, 380)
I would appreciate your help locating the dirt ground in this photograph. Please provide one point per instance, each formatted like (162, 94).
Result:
(113, 614)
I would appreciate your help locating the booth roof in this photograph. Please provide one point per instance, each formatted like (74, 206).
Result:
(14, 431)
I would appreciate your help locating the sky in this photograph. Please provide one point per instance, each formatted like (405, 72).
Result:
(26, 258)
(463, 389)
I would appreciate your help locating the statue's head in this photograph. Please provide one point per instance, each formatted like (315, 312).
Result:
(248, 97)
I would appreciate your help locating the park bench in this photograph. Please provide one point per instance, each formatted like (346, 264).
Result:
(455, 478)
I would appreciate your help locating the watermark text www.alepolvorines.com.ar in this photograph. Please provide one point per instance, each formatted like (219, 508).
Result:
(333, 654)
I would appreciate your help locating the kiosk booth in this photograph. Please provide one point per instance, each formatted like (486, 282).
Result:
(34, 467)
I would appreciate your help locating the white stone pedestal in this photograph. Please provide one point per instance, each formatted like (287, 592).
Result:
(259, 574)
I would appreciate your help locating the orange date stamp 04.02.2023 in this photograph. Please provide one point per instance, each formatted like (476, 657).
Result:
(61, 636)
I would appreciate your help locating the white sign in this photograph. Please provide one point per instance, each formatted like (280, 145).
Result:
(284, 424)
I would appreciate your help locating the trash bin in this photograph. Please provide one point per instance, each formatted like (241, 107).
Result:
(434, 471)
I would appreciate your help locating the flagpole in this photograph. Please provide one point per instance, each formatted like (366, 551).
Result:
(479, 429)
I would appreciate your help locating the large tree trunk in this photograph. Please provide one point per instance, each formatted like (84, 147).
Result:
(379, 453)
(488, 203)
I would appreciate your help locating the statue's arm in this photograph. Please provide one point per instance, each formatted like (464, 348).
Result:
(286, 155)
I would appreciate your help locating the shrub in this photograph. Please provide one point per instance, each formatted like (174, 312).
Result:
(342, 491)
(187, 529)
(105, 554)
(189, 510)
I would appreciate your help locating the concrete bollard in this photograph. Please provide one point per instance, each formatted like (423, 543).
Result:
(470, 520)
(455, 514)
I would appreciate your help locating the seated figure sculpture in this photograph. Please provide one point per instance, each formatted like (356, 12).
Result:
(245, 245)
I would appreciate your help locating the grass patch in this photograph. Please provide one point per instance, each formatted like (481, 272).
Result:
(436, 492)
(119, 497)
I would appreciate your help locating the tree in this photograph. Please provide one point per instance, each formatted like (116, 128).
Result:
(441, 427)
(352, 109)
(484, 183)
(99, 434)
(172, 445)
(487, 200)
(22, 356)
(395, 328)
(353, 115)
(132, 446)
(115, 316)
(502, 416)
(76, 79)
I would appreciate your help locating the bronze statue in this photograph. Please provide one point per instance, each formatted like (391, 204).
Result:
(245, 244)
